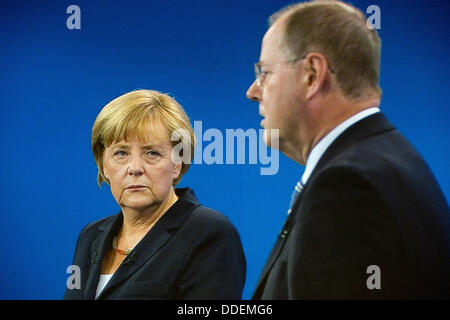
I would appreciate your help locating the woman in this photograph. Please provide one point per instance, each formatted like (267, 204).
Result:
(163, 244)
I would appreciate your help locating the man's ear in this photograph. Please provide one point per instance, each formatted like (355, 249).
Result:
(316, 67)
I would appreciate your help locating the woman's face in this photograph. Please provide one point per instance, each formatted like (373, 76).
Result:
(140, 174)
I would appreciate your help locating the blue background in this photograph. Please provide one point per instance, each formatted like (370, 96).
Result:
(54, 81)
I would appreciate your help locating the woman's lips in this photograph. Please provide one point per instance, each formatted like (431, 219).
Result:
(136, 187)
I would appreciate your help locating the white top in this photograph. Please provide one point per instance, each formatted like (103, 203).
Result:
(104, 279)
(322, 146)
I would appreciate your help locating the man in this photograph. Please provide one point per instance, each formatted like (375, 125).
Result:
(368, 219)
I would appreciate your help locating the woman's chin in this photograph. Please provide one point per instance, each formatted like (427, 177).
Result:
(140, 204)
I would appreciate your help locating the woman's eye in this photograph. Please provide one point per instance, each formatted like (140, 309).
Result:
(152, 153)
(120, 154)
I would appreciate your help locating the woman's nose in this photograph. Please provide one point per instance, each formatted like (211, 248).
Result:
(135, 166)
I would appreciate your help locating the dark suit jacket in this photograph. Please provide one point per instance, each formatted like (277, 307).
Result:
(192, 252)
(371, 200)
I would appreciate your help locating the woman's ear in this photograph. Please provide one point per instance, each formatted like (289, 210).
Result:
(177, 169)
(105, 172)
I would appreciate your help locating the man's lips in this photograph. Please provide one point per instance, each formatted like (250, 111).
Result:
(263, 117)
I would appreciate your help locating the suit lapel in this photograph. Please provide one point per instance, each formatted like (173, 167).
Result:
(279, 244)
(272, 257)
(371, 125)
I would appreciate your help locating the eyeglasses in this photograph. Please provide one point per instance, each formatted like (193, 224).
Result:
(261, 75)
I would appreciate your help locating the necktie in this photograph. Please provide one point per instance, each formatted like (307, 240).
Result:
(297, 190)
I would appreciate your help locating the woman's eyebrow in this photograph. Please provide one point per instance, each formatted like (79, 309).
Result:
(152, 146)
(121, 145)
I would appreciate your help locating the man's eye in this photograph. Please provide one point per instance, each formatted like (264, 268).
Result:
(264, 74)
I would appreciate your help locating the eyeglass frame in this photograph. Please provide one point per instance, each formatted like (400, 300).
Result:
(259, 79)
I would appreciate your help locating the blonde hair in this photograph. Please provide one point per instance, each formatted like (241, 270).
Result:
(137, 110)
(338, 31)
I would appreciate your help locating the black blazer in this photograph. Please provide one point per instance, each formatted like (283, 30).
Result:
(192, 252)
(371, 200)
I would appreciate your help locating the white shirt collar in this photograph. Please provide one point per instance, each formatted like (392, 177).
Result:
(317, 152)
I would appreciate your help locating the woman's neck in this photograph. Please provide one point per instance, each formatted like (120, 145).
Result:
(136, 223)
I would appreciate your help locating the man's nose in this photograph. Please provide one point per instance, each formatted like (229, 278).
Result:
(254, 92)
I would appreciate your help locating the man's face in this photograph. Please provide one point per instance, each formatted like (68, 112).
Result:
(279, 95)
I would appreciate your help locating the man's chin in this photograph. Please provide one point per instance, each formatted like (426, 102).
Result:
(272, 138)
(266, 137)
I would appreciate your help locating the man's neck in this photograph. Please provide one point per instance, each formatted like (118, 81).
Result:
(337, 109)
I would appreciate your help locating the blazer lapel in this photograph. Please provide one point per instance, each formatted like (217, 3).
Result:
(144, 251)
(155, 239)
(104, 238)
